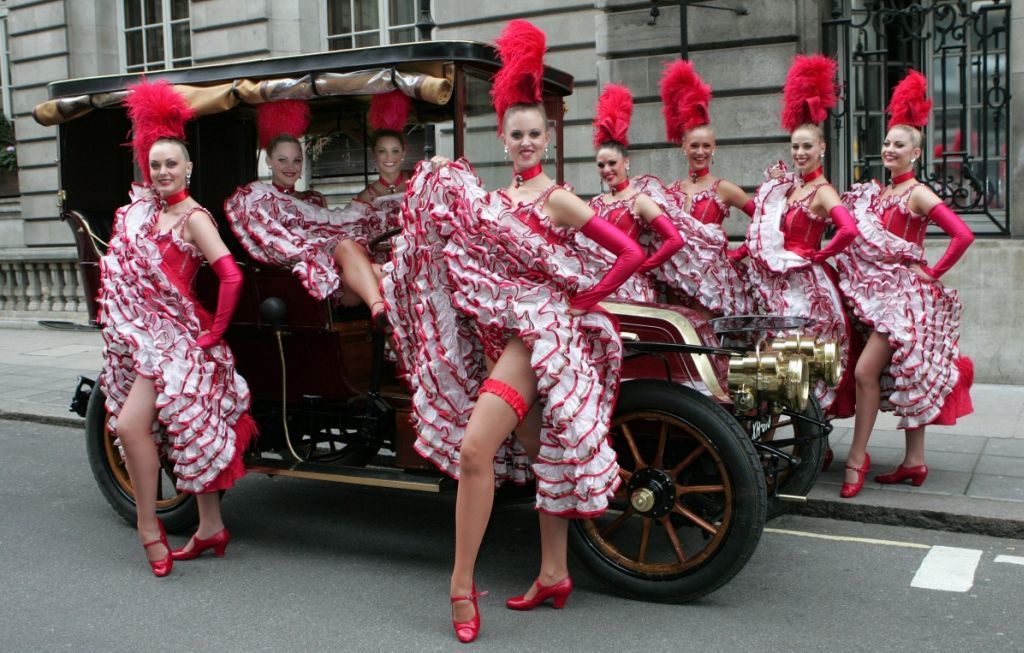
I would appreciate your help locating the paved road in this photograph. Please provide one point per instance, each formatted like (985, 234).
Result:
(319, 567)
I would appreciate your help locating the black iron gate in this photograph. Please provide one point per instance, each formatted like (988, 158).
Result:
(962, 46)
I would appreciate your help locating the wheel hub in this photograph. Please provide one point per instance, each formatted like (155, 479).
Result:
(652, 492)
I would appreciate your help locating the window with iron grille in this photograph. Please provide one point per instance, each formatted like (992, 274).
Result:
(363, 23)
(156, 34)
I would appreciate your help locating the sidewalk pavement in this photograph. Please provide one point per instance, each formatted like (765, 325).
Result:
(976, 468)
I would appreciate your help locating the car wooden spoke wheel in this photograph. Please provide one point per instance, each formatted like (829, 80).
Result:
(691, 506)
(176, 509)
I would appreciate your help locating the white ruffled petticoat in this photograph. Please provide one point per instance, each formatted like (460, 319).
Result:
(921, 319)
(281, 230)
(701, 269)
(785, 283)
(150, 328)
(466, 265)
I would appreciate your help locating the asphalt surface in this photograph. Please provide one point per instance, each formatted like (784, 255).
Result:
(322, 567)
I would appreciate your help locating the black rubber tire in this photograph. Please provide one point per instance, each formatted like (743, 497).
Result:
(801, 479)
(181, 517)
(716, 430)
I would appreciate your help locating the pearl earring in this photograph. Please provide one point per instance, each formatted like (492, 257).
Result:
(821, 156)
(913, 161)
(188, 180)
(506, 152)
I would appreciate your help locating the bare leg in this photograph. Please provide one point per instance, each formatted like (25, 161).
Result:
(490, 423)
(915, 447)
(134, 428)
(872, 361)
(358, 273)
(210, 520)
(554, 531)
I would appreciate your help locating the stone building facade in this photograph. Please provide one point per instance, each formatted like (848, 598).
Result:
(741, 47)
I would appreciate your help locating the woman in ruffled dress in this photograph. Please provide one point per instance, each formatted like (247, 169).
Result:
(495, 328)
(788, 269)
(623, 205)
(361, 268)
(169, 379)
(281, 226)
(911, 362)
(701, 274)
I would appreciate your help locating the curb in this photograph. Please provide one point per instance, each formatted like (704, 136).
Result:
(14, 416)
(936, 520)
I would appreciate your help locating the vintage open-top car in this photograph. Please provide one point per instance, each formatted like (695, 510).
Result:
(705, 429)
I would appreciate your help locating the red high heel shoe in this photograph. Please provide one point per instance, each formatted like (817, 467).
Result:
(560, 592)
(850, 490)
(916, 474)
(467, 631)
(218, 542)
(163, 566)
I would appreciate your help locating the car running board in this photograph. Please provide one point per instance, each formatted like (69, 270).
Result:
(370, 476)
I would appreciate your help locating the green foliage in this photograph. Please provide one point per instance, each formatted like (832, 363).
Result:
(8, 145)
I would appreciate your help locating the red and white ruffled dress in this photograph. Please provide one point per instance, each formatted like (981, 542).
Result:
(701, 270)
(622, 214)
(470, 271)
(781, 239)
(927, 381)
(151, 321)
(384, 213)
(295, 231)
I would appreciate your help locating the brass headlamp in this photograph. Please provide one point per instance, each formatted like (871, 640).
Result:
(822, 357)
(779, 377)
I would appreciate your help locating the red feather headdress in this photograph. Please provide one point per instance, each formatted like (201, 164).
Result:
(614, 110)
(910, 104)
(281, 117)
(684, 100)
(810, 91)
(521, 46)
(156, 111)
(390, 111)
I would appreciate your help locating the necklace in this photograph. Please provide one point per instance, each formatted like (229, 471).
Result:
(899, 179)
(618, 188)
(287, 190)
(811, 176)
(526, 175)
(392, 187)
(697, 174)
(174, 198)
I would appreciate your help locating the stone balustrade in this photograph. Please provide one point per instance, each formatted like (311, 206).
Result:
(40, 282)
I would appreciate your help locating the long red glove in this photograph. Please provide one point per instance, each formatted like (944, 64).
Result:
(671, 241)
(227, 298)
(748, 208)
(959, 233)
(629, 254)
(842, 238)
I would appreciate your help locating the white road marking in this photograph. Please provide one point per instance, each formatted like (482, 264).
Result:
(948, 569)
(1013, 560)
(848, 538)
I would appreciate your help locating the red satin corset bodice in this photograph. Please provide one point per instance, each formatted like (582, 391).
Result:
(180, 261)
(530, 214)
(620, 213)
(707, 206)
(802, 228)
(898, 220)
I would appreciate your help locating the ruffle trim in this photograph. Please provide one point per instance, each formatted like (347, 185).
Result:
(701, 268)
(467, 266)
(150, 329)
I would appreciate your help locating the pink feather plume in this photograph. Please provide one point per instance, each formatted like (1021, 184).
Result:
(684, 100)
(910, 104)
(289, 117)
(390, 111)
(614, 110)
(156, 111)
(810, 91)
(521, 46)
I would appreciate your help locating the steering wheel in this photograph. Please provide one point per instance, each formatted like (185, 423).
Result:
(381, 243)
